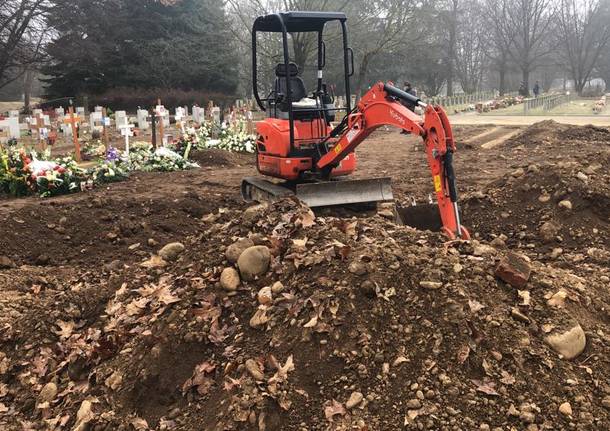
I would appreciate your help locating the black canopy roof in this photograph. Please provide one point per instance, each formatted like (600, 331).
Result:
(297, 22)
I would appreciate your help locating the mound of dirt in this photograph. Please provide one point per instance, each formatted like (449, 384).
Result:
(221, 158)
(357, 324)
(562, 203)
(549, 132)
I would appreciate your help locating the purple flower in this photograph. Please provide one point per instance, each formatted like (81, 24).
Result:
(112, 155)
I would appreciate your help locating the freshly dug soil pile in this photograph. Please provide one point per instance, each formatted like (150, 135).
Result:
(556, 134)
(220, 158)
(563, 202)
(349, 324)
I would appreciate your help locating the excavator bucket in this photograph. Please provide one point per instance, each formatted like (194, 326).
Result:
(422, 217)
(345, 192)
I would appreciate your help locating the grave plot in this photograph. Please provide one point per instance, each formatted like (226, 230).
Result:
(163, 302)
(111, 146)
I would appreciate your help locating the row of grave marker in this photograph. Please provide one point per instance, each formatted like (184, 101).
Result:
(41, 126)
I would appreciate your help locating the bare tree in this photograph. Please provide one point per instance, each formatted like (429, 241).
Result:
(22, 32)
(471, 40)
(500, 37)
(603, 67)
(384, 26)
(584, 32)
(449, 17)
(531, 21)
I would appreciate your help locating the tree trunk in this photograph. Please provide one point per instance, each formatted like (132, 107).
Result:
(579, 86)
(364, 65)
(606, 79)
(451, 47)
(526, 80)
(502, 85)
(28, 79)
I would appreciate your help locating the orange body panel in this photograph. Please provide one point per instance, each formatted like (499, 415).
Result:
(274, 152)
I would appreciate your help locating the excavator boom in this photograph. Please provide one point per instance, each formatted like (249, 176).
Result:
(381, 106)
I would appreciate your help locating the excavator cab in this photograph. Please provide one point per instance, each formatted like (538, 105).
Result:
(289, 99)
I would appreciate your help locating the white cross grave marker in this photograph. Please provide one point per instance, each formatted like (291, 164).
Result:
(127, 132)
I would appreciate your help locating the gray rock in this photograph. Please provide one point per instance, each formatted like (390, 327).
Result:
(171, 251)
(229, 279)
(237, 248)
(569, 343)
(254, 262)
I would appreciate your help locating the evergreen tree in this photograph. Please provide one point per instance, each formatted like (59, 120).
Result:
(104, 44)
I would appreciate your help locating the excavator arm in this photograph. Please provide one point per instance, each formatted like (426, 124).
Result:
(381, 106)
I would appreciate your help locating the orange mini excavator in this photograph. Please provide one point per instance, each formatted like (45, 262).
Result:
(297, 143)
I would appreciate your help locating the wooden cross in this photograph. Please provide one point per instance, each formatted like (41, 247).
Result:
(105, 120)
(73, 120)
(39, 127)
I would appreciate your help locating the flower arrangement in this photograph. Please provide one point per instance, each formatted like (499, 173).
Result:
(234, 138)
(93, 149)
(21, 174)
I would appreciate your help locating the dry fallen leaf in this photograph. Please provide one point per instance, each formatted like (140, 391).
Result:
(507, 378)
(313, 322)
(332, 409)
(154, 262)
(66, 329)
(485, 387)
(475, 306)
(463, 353)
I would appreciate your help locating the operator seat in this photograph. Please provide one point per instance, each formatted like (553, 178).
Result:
(296, 82)
(302, 106)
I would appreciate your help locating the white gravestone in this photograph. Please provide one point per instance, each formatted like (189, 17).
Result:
(120, 118)
(95, 120)
(216, 114)
(12, 124)
(180, 114)
(66, 129)
(80, 111)
(163, 113)
(60, 112)
(198, 114)
(142, 119)
(13, 114)
(37, 112)
(99, 108)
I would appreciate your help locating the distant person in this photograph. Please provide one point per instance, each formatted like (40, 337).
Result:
(408, 88)
(536, 89)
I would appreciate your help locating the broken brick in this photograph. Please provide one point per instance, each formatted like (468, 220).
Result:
(514, 270)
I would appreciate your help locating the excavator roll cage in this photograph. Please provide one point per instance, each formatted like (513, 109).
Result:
(302, 22)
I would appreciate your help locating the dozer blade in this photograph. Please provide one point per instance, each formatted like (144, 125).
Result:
(345, 192)
(422, 217)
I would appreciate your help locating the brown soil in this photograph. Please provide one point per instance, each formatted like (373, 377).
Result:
(121, 346)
